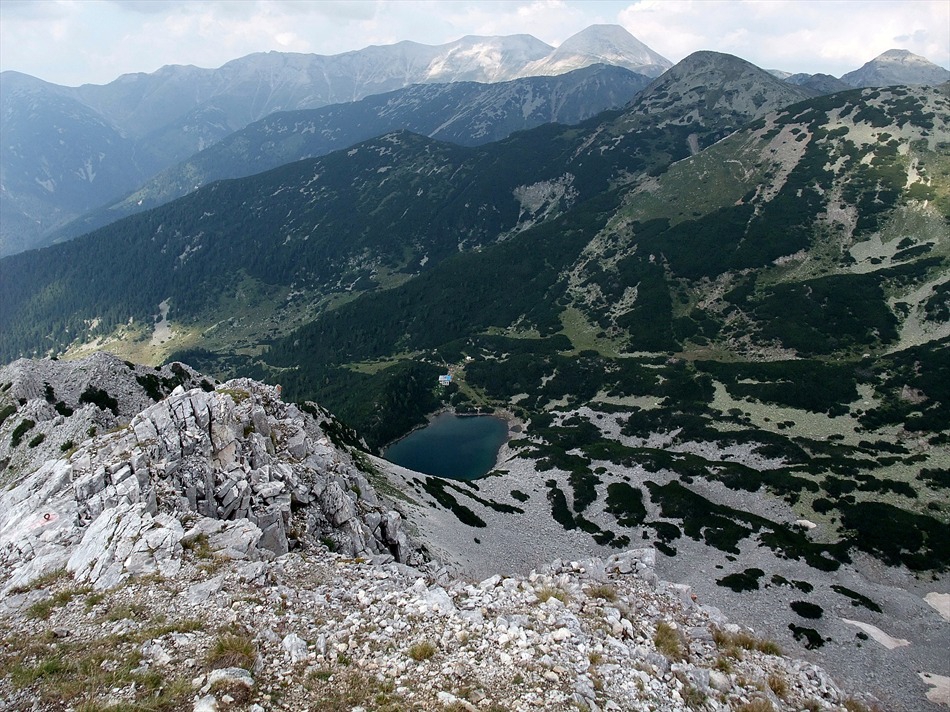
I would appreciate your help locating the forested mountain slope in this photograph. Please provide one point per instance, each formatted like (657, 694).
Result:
(127, 130)
(284, 241)
(743, 360)
(465, 113)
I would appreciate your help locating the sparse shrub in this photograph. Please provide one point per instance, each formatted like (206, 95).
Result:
(423, 650)
(100, 398)
(19, 431)
(37, 440)
(806, 609)
(67, 446)
(6, 411)
(232, 650)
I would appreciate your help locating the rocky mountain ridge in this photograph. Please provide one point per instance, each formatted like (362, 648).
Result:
(704, 97)
(897, 66)
(123, 132)
(111, 504)
(131, 570)
(464, 113)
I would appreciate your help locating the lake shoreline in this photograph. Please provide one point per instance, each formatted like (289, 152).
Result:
(512, 425)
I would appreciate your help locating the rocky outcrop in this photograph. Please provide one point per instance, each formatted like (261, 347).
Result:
(56, 405)
(232, 469)
(316, 630)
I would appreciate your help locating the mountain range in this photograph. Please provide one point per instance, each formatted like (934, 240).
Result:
(464, 113)
(380, 211)
(123, 132)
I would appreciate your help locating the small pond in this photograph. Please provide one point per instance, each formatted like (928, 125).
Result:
(459, 448)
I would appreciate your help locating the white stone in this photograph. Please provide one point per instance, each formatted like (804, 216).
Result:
(206, 703)
(295, 648)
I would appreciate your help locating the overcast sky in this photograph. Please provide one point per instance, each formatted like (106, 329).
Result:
(94, 41)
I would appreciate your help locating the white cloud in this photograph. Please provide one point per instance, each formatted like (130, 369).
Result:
(831, 37)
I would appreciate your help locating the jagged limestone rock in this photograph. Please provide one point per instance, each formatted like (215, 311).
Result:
(126, 540)
(250, 474)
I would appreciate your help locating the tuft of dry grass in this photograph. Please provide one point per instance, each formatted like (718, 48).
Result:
(342, 690)
(232, 650)
(668, 641)
(603, 591)
(778, 685)
(733, 643)
(80, 675)
(547, 592)
(423, 650)
(42, 610)
(44, 581)
(723, 665)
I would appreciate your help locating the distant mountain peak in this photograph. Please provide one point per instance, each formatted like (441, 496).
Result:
(601, 44)
(707, 86)
(897, 66)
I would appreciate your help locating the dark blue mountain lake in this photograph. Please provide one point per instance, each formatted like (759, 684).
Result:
(459, 448)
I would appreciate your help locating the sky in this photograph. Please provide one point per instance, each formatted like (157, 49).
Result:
(74, 42)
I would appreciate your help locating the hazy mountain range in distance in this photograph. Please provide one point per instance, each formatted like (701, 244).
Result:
(71, 150)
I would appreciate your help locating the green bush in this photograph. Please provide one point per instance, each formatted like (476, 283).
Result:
(19, 431)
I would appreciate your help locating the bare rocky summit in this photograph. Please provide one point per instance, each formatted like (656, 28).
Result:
(222, 549)
(897, 66)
